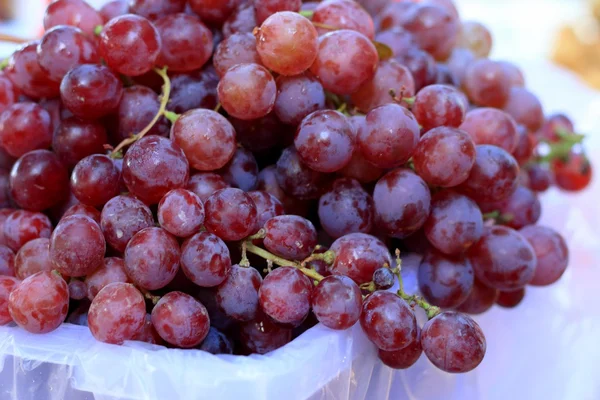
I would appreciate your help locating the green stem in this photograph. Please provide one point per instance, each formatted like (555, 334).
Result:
(250, 247)
(328, 257)
(154, 299)
(307, 13)
(98, 30)
(431, 311)
(171, 116)
(562, 149)
(324, 26)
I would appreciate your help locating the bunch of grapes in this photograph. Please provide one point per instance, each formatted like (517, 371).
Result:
(222, 175)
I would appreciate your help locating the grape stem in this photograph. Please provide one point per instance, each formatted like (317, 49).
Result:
(166, 93)
(307, 13)
(311, 273)
(4, 37)
(154, 299)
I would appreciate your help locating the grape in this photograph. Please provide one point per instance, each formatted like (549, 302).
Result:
(345, 60)
(7, 261)
(266, 8)
(113, 9)
(111, 271)
(511, 299)
(117, 313)
(503, 259)
(21, 226)
(297, 179)
(206, 137)
(39, 304)
(267, 181)
(337, 302)
(77, 289)
(551, 252)
(346, 208)
(290, 236)
(130, 44)
(95, 180)
(77, 246)
(65, 47)
(237, 296)
(8, 93)
(230, 214)
(193, 90)
(205, 259)
(358, 256)
(439, 105)
(453, 342)
(239, 48)
(525, 108)
(421, 65)
(481, 299)
(25, 127)
(444, 157)
(7, 285)
(392, 15)
(82, 209)
(404, 358)
(445, 281)
(522, 208)
(455, 223)
(152, 258)
(384, 278)
(241, 171)
(402, 203)
(138, 106)
(261, 135)
(493, 176)
(344, 14)
(154, 9)
(243, 20)
(79, 316)
(525, 145)
(204, 184)
(262, 336)
(25, 73)
(458, 63)
(267, 206)
(540, 178)
(75, 139)
(285, 296)
(360, 169)
(181, 213)
(147, 333)
(216, 343)
(555, 124)
(390, 76)
(91, 91)
(187, 43)
(153, 166)
(574, 173)
(247, 91)
(33, 257)
(491, 126)
(123, 217)
(475, 37)
(77, 13)
(388, 321)
(297, 97)
(214, 11)
(287, 43)
(398, 39)
(180, 320)
(515, 75)
(487, 84)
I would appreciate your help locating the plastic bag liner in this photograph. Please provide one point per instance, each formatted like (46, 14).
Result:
(547, 348)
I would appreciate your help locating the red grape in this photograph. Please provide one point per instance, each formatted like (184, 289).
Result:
(515, 75)
(480, 299)
(421, 65)
(33, 257)
(511, 299)
(337, 302)
(574, 173)
(475, 37)
(525, 108)
(7, 285)
(7, 261)
(204, 184)
(22, 226)
(297, 179)
(72, 12)
(205, 259)
(491, 126)
(148, 333)
(487, 84)
(237, 296)
(114, 8)
(520, 209)
(398, 39)
(95, 180)
(384, 278)
(230, 214)
(360, 169)
(404, 358)
(123, 217)
(154, 9)
(555, 124)
(439, 105)
(551, 252)
(525, 146)
(540, 177)
(138, 107)
(445, 281)
(267, 206)
(75, 139)
(239, 48)
(25, 127)
(214, 11)
(358, 256)
(8, 93)
(181, 213)
(77, 289)
(262, 336)
(243, 20)
(290, 236)
(266, 8)
(82, 209)
(25, 73)
(344, 14)
(111, 271)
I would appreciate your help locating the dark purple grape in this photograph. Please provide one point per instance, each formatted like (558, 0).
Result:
(193, 90)
(297, 97)
(237, 296)
(261, 335)
(337, 302)
(205, 259)
(297, 179)
(285, 296)
(216, 342)
(551, 251)
(421, 65)
(137, 109)
(230, 214)
(241, 171)
(75, 139)
(445, 281)
(520, 209)
(384, 278)
(511, 299)
(358, 256)
(290, 236)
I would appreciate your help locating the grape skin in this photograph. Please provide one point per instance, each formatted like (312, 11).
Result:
(33, 257)
(205, 259)
(181, 213)
(337, 302)
(237, 296)
(122, 217)
(290, 236)
(230, 214)
(358, 256)
(111, 271)
(25, 127)
(7, 285)
(445, 281)
(22, 226)
(480, 299)
(551, 251)
(404, 358)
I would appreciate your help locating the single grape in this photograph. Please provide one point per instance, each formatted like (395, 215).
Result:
(205, 259)
(117, 313)
(388, 321)
(180, 320)
(230, 214)
(76, 13)
(453, 342)
(214, 11)
(241, 171)
(152, 258)
(148, 333)
(337, 302)
(285, 296)
(130, 44)
(77, 289)
(402, 203)
(138, 107)
(155, 9)
(75, 139)
(345, 60)
(206, 137)
(520, 209)
(266, 8)
(455, 223)
(290, 236)
(439, 105)
(551, 252)
(242, 20)
(525, 146)
(7, 261)
(22, 226)
(515, 75)
(487, 84)
(525, 108)
(574, 173)
(7, 285)
(344, 14)
(493, 176)
(247, 91)
(25, 127)
(445, 281)
(111, 271)
(511, 299)
(480, 299)
(216, 342)
(33, 257)
(267, 206)
(237, 296)
(91, 91)
(444, 157)
(404, 358)
(95, 180)
(297, 97)
(384, 278)
(475, 37)
(181, 213)
(421, 65)
(358, 256)
(114, 8)
(39, 304)
(204, 184)
(25, 73)
(491, 126)
(503, 259)
(193, 90)
(296, 178)
(390, 77)
(540, 177)
(239, 48)
(346, 208)
(261, 335)
(122, 217)
(82, 209)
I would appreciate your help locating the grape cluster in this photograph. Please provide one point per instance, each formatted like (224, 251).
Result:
(222, 175)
